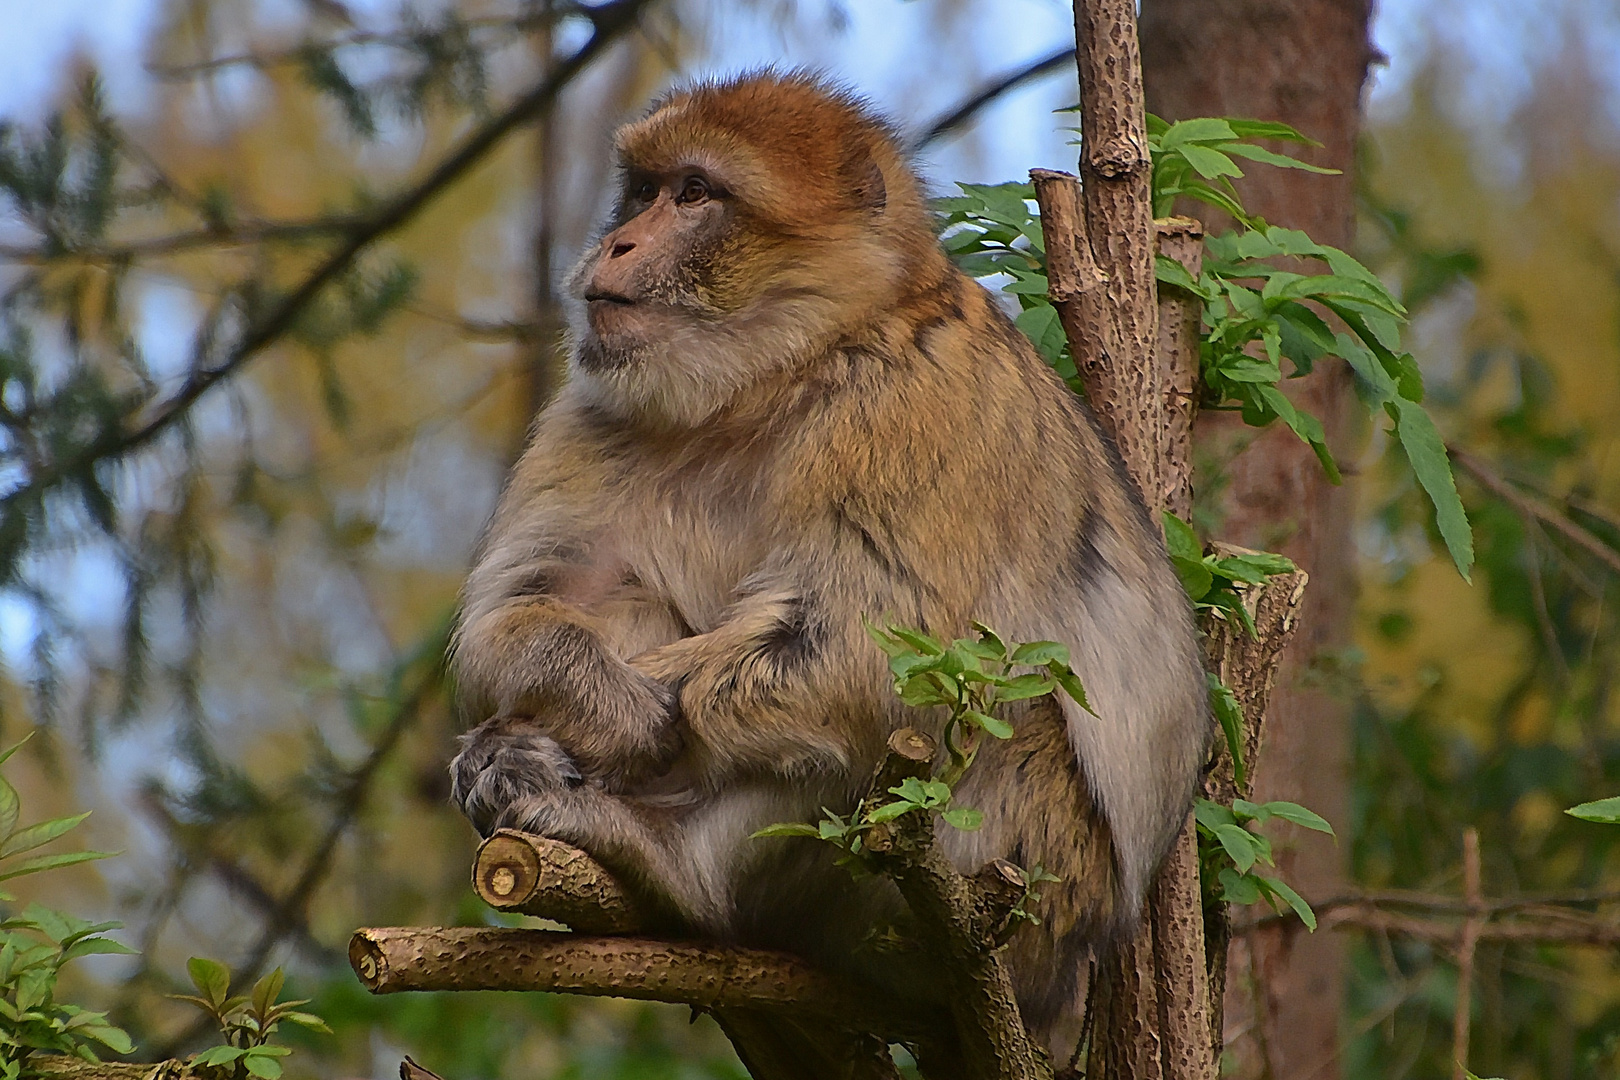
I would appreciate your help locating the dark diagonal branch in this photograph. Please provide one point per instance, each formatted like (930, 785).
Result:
(610, 21)
(235, 234)
(288, 913)
(1535, 508)
(964, 113)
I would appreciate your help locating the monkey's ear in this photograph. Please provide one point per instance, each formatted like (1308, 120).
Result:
(869, 191)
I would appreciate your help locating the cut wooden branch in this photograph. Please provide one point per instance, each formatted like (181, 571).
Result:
(393, 959)
(1075, 285)
(1247, 666)
(1180, 951)
(532, 875)
(1180, 312)
(958, 920)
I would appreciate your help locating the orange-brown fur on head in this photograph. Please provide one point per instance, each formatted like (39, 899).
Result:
(826, 224)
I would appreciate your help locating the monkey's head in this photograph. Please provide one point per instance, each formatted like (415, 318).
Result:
(758, 220)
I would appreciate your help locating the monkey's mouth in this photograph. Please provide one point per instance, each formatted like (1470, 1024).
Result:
(616, 299)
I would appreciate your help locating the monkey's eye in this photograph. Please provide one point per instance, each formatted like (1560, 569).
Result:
(695, 190)
(647, 191)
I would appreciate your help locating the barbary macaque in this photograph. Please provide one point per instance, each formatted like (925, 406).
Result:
(788, 411)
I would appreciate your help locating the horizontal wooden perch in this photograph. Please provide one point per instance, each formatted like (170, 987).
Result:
(391, 959)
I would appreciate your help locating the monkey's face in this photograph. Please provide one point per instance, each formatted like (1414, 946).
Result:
(650, 276)
(759, 221)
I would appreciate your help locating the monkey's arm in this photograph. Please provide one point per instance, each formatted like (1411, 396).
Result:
(788, 682)
(548, 614)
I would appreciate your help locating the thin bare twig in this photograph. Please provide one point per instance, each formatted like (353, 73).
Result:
(238, 234)
(1462, 1014)
(964, 112)
(288, 913)
(395, 39)
(1536, 507)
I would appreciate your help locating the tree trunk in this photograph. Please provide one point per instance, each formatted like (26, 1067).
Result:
(1302, 62)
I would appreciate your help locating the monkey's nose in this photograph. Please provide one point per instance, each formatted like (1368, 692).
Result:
(623, 247)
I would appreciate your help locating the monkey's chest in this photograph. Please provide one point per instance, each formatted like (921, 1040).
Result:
(696, 556)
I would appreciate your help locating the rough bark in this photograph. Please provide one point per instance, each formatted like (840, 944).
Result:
(1115, 175)
(1179, 949)
(959, 920)
(393, 959)
(1303, 62)
(1248, 667)
(531, 875)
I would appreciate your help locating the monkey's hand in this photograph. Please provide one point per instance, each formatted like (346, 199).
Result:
(540, 661)
(504, 763)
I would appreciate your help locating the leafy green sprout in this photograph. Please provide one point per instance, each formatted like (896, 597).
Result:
(246, 1020)
(37, 943)
(1232, 851)
(971, 677)
(1256, 314)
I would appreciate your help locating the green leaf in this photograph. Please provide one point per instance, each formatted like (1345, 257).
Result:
(1169, 272)
(1240, 844)
(211, 978)
(1040, 653)
(1603, 811)
(1026, 686)
(218, 1055)
(1267, 157)
(1180, 539)
(1230, 714)
(1195, 576)
(10, 805)
(51, 862)
(1427, 454)
(990, 638)
(5, 755)
(964, 817)
(266, 1068)
(890, 811)
(1238, 888)
(267, 990)
(1281, 888)
(307, 1020)
(1286, 811)
(38, 835)
(1072, 686)
(998, 728)
(918, 640)
(891, 645)
(1209, 163)
(97, 946)
(1198, 129)
(1211, 814)
(1041, 325)
(115, 1039)
(1268, 129)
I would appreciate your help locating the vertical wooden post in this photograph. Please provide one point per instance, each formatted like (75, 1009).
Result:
(1187, 1047)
